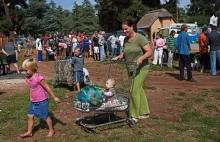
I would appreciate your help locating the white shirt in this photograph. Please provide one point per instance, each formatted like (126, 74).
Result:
(121, 39)
(113, 41)
(38, 44)
(85, 72)
(213, 20)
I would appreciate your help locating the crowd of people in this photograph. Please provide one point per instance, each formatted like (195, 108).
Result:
(90, 46)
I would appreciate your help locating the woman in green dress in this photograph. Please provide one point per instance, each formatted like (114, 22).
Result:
(137, 49)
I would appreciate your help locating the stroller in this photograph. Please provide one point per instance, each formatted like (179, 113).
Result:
(108, 112)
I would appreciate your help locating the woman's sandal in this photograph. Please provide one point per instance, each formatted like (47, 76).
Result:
(26, 136)
(144, 116)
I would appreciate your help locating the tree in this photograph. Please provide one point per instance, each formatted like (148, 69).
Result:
(201, 10)
(111, 12)
(152, 4)
(33, 17)
(134, 12)
(11, 15)
(84, 17)
(171, 6)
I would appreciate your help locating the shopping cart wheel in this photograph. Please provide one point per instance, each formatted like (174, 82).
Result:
(131, 122)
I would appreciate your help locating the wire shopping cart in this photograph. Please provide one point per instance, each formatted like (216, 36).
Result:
(109, 112)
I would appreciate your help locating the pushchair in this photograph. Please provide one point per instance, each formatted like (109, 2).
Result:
(109, 111)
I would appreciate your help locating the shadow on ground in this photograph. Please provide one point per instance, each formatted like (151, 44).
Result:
(12, 76)
(43, 125)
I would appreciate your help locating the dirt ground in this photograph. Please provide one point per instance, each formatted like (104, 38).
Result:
(161, 85)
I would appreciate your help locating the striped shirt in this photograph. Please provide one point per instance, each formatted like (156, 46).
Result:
(170, 41)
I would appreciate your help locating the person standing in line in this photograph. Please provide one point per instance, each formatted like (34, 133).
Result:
(183, 47)
(121, 40)
(74, 41)
(86, 46)
(171, 43)
(24, 44)
(158, 51)
(213, 39)
(29, 46)
(203, 50)
(113, 41)
(12, 55)
(96, 46)
(101, 46)
(39, 49)
(90, 47)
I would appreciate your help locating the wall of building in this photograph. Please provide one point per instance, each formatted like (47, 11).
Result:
(154, 28)
(166, 22)
(159, 23)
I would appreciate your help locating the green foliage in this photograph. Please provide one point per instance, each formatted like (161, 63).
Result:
(200, 11)
(134, 12)
(41, 17)
(84, 18)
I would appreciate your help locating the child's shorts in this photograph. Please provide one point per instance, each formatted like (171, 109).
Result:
(78, 76)
(39, 109)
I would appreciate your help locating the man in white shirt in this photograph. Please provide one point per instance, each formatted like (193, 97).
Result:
(113, 41)
(214, 20)
(121, 40)
(39, 49)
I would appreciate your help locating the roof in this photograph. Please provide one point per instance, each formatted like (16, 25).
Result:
(2, 35)
(149, 18)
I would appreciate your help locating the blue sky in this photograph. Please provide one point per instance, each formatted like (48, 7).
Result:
(68, 4)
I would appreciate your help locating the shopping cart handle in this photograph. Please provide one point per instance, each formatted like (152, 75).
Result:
(117, 61)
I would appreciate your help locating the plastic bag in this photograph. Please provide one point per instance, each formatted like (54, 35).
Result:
(91, 94)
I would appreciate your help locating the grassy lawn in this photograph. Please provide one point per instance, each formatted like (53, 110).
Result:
(200, 121)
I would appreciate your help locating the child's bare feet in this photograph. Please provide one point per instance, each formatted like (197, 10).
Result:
(51, 133)
(27, 134)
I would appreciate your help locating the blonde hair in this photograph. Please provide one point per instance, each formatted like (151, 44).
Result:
(30, 64)
(112, 81)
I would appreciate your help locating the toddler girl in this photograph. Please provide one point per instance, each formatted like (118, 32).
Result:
(39, 90)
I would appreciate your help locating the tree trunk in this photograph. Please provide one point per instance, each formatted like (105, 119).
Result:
(12, 33)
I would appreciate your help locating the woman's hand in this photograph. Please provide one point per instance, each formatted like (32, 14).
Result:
(139, 61)
(115, 58)
(57, 100)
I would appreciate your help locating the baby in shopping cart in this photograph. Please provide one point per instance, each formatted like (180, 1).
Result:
(95, 97)
(109, 89)
(111, 101)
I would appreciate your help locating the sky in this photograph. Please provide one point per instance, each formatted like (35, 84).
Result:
(68, 4)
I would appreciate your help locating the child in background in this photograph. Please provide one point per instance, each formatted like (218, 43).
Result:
(39, 90)
(78, 62)
(158, 52)
(109, 89)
